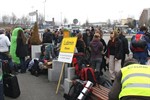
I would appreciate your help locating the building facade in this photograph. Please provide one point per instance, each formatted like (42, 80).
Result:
(145, 17)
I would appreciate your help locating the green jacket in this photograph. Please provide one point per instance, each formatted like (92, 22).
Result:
(13, 46)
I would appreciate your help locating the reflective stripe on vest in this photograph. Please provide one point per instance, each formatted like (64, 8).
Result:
(134, 75)
(139, 85)
(135, 80)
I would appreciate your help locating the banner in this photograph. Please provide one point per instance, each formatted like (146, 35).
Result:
(67, 49)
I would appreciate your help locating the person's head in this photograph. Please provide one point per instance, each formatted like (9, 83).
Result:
(143, 29)
(21, 36)
(100, 32)
(113, 34)
(123, 33)
(130, 61)
(48, 30)
(88, 31)
(96, 36)
(2, 31)
(79, 36)
(43, 51)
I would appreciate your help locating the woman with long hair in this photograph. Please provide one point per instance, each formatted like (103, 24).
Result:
(21, 49)
(114, 53)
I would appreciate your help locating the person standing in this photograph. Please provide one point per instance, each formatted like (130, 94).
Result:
(47, 36)
(87, 38)
(138, 45)
(21, 49)
(96, 48)
(125, 50)
(114, 54)
(80, 43)
(4, 50)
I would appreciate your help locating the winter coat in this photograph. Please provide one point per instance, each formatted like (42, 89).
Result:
(47, 37)
(13, 46)
(80, 46)
(96, 49)
(124, 44)
(21, 49)
(117, 45)
(85, 39)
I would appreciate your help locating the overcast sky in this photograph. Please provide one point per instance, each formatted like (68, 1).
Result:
(93, 10)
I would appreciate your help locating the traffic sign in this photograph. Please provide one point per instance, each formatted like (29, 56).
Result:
(75, 21)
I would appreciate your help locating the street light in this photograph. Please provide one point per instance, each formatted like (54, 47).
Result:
(44, 9)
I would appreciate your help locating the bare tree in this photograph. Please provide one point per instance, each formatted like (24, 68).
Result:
(5, 19)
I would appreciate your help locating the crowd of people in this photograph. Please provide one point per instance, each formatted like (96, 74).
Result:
(15, 46)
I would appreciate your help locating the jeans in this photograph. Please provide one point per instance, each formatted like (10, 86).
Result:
(141, 57)
(96, 63)
(22, 64)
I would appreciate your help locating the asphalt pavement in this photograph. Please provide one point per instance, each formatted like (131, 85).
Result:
(37, 88)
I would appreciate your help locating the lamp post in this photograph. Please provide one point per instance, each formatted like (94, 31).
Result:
(61, 18)
(44, 10)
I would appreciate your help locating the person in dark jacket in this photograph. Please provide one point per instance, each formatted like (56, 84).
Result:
(103, 65)
(87, 37)
(125, 50)
(131, 83)
(114, 54)
(80, 44)
(8, 34)
(47, 36)
(56, 37)
(96, 52)
(21, 49)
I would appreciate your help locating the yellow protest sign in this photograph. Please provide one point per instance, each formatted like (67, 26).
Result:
(68, 45)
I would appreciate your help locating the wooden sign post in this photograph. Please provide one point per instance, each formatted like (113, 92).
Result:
(66, 54)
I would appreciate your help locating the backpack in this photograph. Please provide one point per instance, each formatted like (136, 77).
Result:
(35, 70)
(138, 43)
(88, 74)
(75, 90)
(79, 61)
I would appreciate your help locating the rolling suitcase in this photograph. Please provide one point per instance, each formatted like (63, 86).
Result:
(11, 86)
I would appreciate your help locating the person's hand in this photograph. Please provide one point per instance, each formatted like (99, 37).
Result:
(116, 59)
(45, 61)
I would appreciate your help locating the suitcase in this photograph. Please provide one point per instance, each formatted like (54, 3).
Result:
(11, 86)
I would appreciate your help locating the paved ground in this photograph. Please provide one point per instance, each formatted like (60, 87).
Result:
(37, 88)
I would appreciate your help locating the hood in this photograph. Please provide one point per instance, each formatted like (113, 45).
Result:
(15, 31)
(95, 44)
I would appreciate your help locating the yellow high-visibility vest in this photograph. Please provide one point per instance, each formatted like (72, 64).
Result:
(135, 80)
